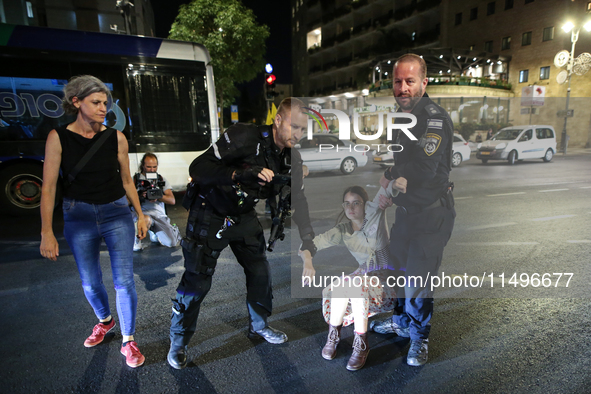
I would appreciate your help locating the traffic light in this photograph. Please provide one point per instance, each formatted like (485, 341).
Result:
(270, 86)
(269, 83)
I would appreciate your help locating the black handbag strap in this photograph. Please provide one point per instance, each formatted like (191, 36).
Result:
(86, 158)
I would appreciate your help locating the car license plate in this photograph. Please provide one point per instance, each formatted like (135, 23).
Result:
(377, 159)
(485, 153)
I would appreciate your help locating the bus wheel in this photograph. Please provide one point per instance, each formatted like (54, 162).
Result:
(21, 189)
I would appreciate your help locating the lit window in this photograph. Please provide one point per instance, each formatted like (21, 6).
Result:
(29, 9)
(545, 72)
(548, 33)
(526, 38)
(523, 76)
(506, 43)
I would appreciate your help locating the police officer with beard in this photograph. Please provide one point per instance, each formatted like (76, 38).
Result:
(230, 178)
(425, 214)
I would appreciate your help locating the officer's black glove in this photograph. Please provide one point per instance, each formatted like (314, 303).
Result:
(249, 176)
(388, 175)
(308, 244)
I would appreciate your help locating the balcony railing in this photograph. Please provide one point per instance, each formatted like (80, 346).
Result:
(450, 80)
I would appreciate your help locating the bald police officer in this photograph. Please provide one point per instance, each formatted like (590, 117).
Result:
(425, 213)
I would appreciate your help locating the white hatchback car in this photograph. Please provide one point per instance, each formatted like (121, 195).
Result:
(325, 152)
(461, 150)
(518, 143)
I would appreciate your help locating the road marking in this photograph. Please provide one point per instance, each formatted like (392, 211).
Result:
(504, 194)
(10, 292)
(555, 183)
(552, 218)
(326, 210)
(579, 241)
(585, 187)
(491, 226)
(553, 190)
(461, 198)
(508, 243)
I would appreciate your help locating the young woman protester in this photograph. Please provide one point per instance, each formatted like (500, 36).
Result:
(95, 207)
(366, 236)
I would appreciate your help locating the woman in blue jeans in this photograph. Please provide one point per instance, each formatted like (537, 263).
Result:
(95, 208)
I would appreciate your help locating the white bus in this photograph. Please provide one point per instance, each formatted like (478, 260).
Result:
(163, 101)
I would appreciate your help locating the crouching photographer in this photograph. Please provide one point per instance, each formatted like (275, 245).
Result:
(154, 191)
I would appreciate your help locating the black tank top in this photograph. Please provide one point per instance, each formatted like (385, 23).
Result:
(99, 181)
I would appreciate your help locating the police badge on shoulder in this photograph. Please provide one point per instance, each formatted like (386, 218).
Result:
(432, 142)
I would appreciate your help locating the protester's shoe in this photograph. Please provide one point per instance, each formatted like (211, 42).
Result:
(137, 245)
(387, 326)
(269, 334)
(417, 355)
(360, 352)
(98, 333)
(177, 356)
(132, 354)
(153, 236)
(329, 351)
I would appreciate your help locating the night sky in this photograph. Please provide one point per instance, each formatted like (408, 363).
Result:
(276, 15)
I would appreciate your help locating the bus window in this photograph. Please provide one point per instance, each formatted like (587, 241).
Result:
(170, 104)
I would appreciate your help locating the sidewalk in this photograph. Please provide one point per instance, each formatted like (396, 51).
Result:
(575, 151)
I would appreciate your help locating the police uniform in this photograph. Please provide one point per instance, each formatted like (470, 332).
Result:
(425, 214)
(222, 213)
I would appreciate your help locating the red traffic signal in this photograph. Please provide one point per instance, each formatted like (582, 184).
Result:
(270, 79)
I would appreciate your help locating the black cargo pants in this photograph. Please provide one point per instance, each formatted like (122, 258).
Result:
(201, 251)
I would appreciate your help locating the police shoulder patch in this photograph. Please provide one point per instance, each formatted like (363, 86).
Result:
(432, 109)
(435, 124)
(432, 142)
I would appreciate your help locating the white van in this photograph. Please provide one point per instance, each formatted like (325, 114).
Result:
(518, 143)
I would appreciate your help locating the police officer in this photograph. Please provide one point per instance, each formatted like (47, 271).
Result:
(231, 177)
(425, 213)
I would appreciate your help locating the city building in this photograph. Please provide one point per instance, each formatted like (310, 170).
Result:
(482, 57)
(105, 16)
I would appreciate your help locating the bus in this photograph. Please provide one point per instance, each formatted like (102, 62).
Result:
(163, 101)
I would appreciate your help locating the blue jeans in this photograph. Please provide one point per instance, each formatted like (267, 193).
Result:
(85, 226)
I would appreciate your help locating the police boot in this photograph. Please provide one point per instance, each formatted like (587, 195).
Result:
(259, 328)
(360, 352)
(185, 310)
(334, 337)
(177, 356)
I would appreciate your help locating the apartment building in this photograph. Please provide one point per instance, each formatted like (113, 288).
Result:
(481, 54)
(89, 15)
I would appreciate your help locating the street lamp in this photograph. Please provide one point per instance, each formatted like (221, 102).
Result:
(574, 30)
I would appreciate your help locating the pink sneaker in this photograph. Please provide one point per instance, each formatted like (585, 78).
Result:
(132, 354)
(98, 333)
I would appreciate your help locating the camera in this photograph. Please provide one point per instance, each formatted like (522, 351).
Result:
(152, 185)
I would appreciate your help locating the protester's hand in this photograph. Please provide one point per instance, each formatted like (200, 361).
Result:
(385, 202)
(142, 229)
(309, 270)
(400, 184)
(49, 247)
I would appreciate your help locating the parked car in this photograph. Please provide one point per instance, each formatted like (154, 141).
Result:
(326, 152)
(518, 143)
(461, 150)
(383, 158)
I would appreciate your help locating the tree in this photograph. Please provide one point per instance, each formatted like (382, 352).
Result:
(235, 41)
